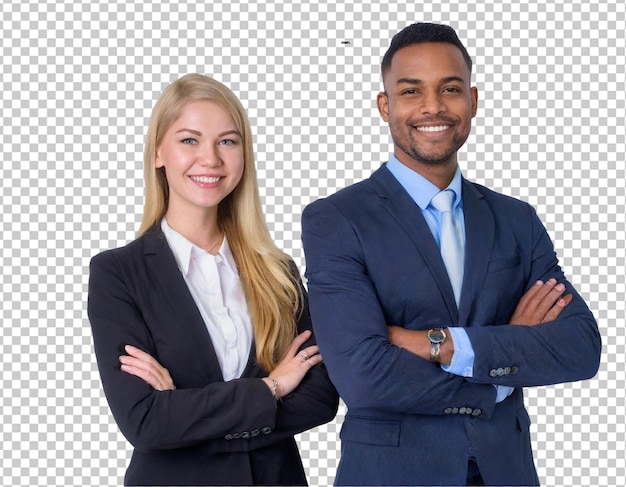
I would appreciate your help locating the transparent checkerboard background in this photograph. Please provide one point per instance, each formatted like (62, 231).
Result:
(78, 83)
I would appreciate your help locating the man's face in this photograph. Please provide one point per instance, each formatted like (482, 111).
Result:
(428, 103)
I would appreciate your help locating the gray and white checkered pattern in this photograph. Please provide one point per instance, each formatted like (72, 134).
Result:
(79, 80)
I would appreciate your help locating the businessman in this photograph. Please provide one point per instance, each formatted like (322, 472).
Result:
(436, 300)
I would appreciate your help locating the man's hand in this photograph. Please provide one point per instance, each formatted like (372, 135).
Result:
(543, 302)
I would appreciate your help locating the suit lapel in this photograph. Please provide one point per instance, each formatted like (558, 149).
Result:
(403, 209)
(165, 272)
(479, 238)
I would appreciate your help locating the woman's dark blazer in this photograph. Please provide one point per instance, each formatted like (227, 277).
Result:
(207, 431)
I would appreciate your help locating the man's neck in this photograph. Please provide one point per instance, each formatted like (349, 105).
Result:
(439, 174)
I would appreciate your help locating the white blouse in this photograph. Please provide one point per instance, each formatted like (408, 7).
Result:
(213, 281)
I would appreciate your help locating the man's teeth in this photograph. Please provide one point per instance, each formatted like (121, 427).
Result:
(440, 128)
(205, 179)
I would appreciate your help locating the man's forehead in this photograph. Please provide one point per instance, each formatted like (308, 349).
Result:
(427, 60)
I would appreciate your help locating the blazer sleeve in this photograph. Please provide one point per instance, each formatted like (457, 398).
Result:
(565, 350)
(369, 371)
(155, 420)
(313, 402)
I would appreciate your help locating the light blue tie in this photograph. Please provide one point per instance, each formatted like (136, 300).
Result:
(451, 244)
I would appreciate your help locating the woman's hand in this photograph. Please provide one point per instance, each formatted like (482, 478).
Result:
(144, 366)
(294, 366)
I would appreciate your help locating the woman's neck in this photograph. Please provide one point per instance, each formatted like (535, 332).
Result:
(201, 229)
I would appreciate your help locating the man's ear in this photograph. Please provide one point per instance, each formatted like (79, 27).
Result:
(474, 94)
(383, 105)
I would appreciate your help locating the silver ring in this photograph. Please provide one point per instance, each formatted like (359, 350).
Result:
(304, 356)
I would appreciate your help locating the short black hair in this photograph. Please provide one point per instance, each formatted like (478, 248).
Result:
(423, 32)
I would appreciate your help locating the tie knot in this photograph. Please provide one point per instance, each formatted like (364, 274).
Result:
(443, 200)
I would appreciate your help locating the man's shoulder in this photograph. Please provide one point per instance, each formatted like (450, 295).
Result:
(354, 194)
(492, 196)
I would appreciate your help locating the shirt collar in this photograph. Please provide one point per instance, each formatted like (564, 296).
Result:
(420, 189)
(183, 249)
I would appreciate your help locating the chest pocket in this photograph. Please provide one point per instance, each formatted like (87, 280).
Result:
(503, 264)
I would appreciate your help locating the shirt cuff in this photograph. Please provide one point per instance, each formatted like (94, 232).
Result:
(502, 392)
(463, 358)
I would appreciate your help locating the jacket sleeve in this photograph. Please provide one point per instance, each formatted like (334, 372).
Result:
(369, 371)
(313, 402)
(565, 350)
(155, 420)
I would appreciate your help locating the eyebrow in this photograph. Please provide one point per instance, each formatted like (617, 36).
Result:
(199, 134)
(191, 131)
(417, 81)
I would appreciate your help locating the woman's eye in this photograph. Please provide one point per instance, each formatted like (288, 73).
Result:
(227, 142)
(188, 141)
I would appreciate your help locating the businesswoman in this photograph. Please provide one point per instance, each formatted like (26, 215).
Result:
(201, 325)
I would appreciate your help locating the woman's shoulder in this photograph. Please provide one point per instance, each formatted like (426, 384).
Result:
(132, 250)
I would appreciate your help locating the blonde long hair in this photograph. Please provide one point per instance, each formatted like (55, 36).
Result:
(267, 275)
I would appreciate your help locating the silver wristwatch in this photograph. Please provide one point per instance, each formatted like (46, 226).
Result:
(436, 337)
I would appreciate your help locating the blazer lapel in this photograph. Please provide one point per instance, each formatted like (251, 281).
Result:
(479, 238)
(399, 204)
(165, 272)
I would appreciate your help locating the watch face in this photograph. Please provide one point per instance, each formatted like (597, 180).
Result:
(436, 336)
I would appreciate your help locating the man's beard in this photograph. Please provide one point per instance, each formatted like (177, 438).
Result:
(434, 157)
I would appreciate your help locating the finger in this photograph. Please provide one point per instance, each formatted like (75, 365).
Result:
(549, 300)
(298, 341)
(543, 290)
(306, 353)
(545, 298)
(138, 353)
(145, 375)
(559, 306)
(151, 367)
(530, 294)
(312, 350)
(314, 360)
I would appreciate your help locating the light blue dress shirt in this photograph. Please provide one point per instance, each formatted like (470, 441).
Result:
(422, 191)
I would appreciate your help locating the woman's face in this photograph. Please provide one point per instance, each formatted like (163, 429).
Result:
(202, 153)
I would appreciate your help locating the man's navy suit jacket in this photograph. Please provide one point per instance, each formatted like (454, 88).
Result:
(371, 262)
(208, 431)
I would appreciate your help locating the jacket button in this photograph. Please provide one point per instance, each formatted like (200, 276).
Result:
(447, 410)
(493, 373)
(455, 410)
(267, 430)
(254, 433)
(228, 437)
(245, 434)
(476, 412)
(462, 410)
(468, 410)
(514, 370)
(507, 370)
